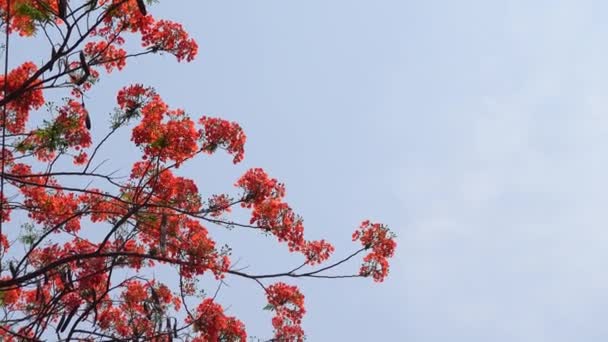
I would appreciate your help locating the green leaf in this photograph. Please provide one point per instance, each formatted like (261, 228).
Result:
(25, 9)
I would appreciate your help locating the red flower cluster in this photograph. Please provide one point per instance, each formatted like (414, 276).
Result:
(168, 189)
(165, 134)
(221, 133)
(170, 134)
(381, 241)
(66, 279)
(265, 196)
(168, 233)
(165, 35)
(288, 304)
(5, 216)
(110, 55)
(200, 252)
(10, 297)
(317, 251)
(218, 205)
(161, 35)
(102, 208)
(4, 245)
(20, 108)
(82, 280)
(213, 325)
(68, 130)
(49, 207)
(20, 20)
(259, 188)
(81, 81)
(141, 302)
(132, 98)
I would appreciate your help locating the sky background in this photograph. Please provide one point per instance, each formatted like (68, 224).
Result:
(477, 130)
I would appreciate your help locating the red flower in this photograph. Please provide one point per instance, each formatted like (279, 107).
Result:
(317, 251)
(219, 204)
(49, 207)
(171, 37)
(213, 325)
(265, 196)
(380, 240)
(65, 278)
(20, 20)
(134, 97)
(68, 130)
(19, 108)
(109, 55)
(221, 133)
(5, 217)
(288, 304)
(165, 134)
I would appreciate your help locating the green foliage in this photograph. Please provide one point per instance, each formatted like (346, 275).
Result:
(52, 136)
(37, 15)
(29, 234)
(25, 9)
(160, 143)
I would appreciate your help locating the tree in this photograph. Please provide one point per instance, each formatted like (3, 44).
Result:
(59, 281)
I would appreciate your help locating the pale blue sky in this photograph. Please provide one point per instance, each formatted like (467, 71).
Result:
(477, 130)
(474, 128)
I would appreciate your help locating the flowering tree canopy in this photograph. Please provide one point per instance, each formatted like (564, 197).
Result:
(60, 281)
